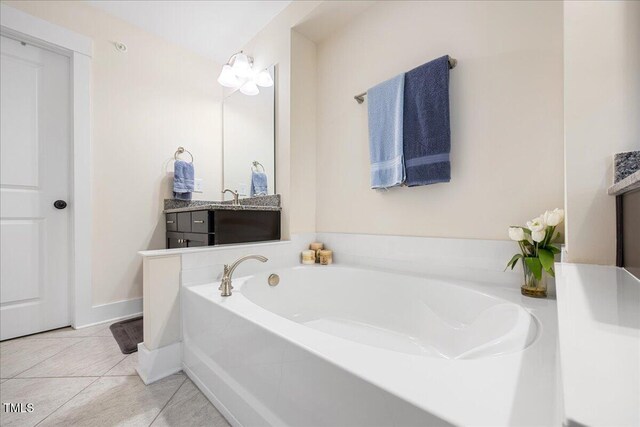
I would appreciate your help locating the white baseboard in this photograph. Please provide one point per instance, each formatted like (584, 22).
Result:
(153, 365)
(111, 312)
(115, 319)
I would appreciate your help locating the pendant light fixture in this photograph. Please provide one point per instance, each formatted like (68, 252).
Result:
(228, 78)
(264, 78)
(242, 65)
(238, 73)
(249, 88)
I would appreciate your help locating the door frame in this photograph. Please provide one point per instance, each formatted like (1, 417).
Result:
(79, 48)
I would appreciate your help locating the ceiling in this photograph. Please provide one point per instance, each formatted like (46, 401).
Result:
(215, 29)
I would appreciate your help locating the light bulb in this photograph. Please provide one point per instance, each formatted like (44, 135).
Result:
(241, 65)
(228, 78)
(264, 79)
(249, 88)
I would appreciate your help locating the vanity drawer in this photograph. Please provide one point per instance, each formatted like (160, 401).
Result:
(202, 222)
(172, 221)
(195, 240)
(184, 222)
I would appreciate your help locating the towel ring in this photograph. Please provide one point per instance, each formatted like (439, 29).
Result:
(256, 164)
(181, 150)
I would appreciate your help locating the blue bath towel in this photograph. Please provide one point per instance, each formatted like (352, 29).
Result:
(258, 183)
(427, 134)
(385, 105)
(183, 182)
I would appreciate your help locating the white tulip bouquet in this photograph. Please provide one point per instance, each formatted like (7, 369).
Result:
(535, 240)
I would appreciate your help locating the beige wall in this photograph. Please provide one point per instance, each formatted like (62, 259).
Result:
(506, 109)
(273, 45)
(145, 103)
(506, 115)
(303, 133)
(602, 116)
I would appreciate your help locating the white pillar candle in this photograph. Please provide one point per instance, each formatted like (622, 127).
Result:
(326, 257)
(317, 247)
(308, 257)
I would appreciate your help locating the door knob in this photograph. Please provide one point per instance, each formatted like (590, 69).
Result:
(59, 204)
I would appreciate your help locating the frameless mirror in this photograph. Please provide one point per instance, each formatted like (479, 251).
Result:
(249, 141)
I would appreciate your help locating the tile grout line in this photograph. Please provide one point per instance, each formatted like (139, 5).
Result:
(119, 362)
(170, 399)
(68, 376)
(81, 340)
(47, 334)
(65, 337)
(96, 378)
(43, 360)
(88, 385)
(68, 400)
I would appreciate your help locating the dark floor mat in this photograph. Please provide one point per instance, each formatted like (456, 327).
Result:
(128, 334)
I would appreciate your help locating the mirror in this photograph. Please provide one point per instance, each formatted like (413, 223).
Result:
(248, 137)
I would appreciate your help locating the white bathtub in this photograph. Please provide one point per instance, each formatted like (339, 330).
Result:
(342, 346)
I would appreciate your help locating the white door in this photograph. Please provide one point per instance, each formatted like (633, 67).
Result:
(34, 173)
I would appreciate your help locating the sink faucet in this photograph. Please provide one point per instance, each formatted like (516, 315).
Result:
(225, 286)
(235, 196)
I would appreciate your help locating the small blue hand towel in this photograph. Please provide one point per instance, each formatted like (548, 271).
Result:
(427, 134)
(258, 183)
(183, 182)
(385, 107)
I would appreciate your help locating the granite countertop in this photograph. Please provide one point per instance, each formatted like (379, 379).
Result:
(626, 173)
(221, 207)
(629, 183)
(258, 203)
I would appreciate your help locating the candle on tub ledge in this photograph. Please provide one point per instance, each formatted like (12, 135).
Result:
(308, 257)
(317, 247)
(326, 257)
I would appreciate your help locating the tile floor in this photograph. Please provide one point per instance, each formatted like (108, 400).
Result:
(80, 378)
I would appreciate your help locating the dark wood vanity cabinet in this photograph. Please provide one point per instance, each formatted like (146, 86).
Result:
(209, 227)
(628, 231)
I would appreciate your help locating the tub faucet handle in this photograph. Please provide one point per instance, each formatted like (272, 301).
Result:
(224, 274)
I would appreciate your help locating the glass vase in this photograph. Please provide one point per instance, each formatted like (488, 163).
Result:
(532, 286)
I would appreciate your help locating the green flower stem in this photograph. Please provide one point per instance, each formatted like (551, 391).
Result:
(547, 237)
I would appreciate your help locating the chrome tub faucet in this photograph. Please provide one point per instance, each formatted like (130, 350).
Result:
(225, 285)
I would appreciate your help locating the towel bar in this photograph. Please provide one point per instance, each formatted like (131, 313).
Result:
(360, 97)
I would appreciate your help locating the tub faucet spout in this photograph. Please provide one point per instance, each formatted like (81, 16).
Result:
(225, 285)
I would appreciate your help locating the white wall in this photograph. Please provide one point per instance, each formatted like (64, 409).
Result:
(506, 115)
(602, 117)
(145, 103)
